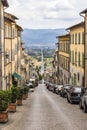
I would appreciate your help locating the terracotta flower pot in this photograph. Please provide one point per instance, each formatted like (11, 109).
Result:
(19, 102)
(12, 107)
(25, 96)
(4, 116)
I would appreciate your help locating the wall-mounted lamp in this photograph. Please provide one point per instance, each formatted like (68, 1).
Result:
(7, 55)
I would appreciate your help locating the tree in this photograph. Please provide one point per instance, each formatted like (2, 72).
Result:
(38, 70)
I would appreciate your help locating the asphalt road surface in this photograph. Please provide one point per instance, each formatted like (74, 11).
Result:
(44, 110)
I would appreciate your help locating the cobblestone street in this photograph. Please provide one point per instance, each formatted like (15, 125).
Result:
(44, 110)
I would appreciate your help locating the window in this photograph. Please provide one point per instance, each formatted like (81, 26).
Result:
(72, 57)
(67, 46)
(78, 38)
(72, 38)
(13, 33)
(9, 31)
(75, 38)
(83, 38)
(18, 45)
(78, 58)
(6, 30)
(13, 54)
(82, 60)
(16, 49)
(75, 58)
(74, 79)
(78, 76)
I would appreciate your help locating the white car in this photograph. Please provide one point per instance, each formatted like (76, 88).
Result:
(31, 90)
(58, 89)
(29, 84)
(31, 87)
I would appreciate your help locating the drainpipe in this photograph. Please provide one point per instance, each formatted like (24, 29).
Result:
(11, 53)
(4, 78)
(84, 48)
(69, 80)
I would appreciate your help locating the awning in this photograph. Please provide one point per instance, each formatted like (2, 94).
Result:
(16, 76)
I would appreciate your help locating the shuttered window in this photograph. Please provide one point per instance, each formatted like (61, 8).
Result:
(83, 38)
(82, 59)
(78, 58)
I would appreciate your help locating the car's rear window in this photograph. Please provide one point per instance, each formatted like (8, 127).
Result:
(77, 89)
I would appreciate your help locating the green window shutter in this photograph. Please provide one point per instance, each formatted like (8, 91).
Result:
(75, 58)
(78, 38)
(82, 60)
(72, 57)
(75, 38)
(74, 79)
(70, 39)
(83, 38)
(78, 58)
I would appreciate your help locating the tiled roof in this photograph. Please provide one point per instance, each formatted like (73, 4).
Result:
(84, 11)
(65, 35)
(81, 24)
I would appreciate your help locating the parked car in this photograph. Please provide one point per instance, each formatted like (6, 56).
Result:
(31, 89)
(83, 100)
(65, 89)
(73, 95)
(29, 84)
(47, 85)
(51, 88)
(58, 89)
(54, 88)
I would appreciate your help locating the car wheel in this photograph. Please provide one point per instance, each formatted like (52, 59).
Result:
(71, 101)
(80, 104)
(85, 108)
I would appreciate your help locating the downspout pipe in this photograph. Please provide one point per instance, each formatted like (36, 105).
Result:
(84, 48)
(5, 78)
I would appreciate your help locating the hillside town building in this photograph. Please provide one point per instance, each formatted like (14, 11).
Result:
(64, 58)
(14, 61)
(77, 54)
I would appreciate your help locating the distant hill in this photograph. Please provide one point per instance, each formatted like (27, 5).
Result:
(41, 37)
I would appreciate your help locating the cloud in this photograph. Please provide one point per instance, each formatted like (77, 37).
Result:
(39, 13)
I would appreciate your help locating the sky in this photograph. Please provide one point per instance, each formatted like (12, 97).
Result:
(47, 14)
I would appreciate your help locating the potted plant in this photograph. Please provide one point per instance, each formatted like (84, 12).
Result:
(13, 98)
(19, 96)
(4, 101)
(25, 92)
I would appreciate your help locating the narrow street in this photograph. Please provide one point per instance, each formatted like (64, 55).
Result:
(44, 110)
